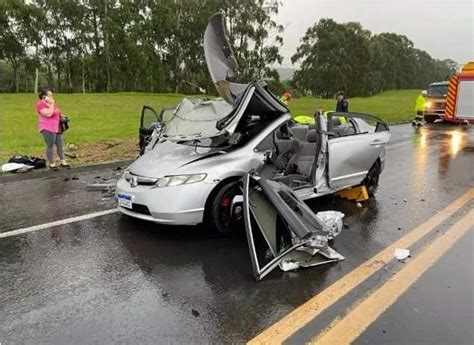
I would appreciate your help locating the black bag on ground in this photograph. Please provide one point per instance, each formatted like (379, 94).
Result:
(37, 163)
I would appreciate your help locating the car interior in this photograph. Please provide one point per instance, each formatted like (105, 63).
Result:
(293, 149)
(291, 155)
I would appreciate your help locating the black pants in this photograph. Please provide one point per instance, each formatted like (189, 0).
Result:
(419, 116)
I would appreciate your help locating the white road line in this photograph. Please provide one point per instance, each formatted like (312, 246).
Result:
(57, 223)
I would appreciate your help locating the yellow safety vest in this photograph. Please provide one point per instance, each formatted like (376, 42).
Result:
(309, 120)
(284, 100)
(304, 120)
(420, 103)
(341, 118)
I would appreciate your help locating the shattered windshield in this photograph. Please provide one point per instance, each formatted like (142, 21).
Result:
(217, 141)
(195, 117)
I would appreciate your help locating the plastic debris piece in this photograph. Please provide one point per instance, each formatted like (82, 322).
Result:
(106, 185)
(401, 254)
(72, 147)
(26, 168)
(70, 154)
(359, 205)
(333, 220)
(288, 265)
(9, 167)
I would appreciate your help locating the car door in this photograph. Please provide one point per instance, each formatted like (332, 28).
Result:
(148, 121)
(277, 223)
(353, 147)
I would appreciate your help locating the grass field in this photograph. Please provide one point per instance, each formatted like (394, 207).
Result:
(105, 126)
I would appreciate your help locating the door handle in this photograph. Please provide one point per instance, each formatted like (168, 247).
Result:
(377, 142)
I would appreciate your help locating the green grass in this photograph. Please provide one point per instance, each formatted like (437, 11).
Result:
(93, 118)
(391, 106)
(98, 118)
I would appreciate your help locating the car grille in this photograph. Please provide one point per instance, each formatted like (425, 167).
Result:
(141, 180)
(138, 208)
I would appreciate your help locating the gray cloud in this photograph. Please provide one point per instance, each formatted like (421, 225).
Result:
(444, 28)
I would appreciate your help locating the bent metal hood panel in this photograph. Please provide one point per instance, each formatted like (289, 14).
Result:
(220, 59)
(166, 158)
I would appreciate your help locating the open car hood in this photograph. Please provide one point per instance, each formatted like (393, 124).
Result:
(220, 59)
(283, 231)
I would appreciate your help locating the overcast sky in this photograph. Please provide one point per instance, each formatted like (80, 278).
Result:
(444, 28)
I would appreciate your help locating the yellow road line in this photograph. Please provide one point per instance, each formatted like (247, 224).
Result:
(347, 329)
(288, 325)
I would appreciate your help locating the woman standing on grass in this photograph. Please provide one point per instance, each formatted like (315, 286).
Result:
(48, 125)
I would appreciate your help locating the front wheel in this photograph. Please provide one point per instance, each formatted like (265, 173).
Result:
(430, 118)
(225, 215)
(371, 181)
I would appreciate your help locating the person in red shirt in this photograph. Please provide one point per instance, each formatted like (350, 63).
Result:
(49, 116)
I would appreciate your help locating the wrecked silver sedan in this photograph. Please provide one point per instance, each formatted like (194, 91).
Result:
(195, 155)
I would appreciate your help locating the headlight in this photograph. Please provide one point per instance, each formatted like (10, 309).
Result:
(176, 180)
(428, 105)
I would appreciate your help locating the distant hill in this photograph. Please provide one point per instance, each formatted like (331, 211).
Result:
(285, 73)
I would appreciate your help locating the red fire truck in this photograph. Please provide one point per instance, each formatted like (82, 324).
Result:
(460, 99)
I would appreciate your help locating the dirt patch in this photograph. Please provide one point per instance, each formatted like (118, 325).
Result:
(93, 153)
(104, 152)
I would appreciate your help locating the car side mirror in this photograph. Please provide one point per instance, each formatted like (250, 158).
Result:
(267, 156)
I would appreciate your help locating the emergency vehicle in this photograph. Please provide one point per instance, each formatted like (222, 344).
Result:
(435, 101)
(460, 99)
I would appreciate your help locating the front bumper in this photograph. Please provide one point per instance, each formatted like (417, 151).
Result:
(434, 112)
(178, 205)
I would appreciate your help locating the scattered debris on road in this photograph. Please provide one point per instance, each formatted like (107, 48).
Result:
(104, 185)
(401, 254)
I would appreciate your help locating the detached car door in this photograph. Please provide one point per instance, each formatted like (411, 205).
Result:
(277, 223)
(355, 141)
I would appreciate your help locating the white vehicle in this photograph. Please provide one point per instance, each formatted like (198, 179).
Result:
(195, 155)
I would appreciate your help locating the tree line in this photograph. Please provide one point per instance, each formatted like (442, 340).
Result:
(129, 45)
(347, 57)
(156, 46)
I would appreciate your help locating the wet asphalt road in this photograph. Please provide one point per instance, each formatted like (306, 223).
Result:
(112, 279)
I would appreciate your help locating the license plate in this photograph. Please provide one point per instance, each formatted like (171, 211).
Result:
(125, 200)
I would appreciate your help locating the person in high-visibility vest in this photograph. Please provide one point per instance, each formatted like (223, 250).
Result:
(420, 108)
(286, 98)
(310, 120)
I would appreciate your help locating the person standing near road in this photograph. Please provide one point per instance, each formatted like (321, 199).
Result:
(342, 105)
(286, 98)
(49, 117)
(420, 108)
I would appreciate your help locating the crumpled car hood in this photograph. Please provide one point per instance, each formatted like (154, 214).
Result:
(167, 158)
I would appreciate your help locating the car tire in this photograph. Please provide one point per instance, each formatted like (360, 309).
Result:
(219, 215)
(430, 118)
(371, 181)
